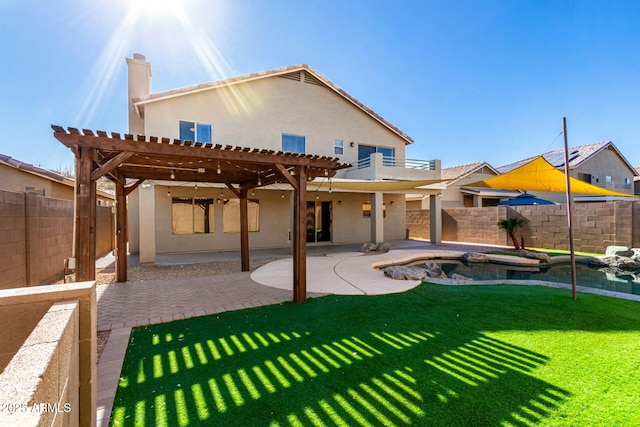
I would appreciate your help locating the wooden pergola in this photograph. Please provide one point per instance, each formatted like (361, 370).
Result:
(129, 160)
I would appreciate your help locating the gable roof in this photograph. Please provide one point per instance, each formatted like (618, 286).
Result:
(456, 173)
(287, 72)
(577, 156)
(35, 170)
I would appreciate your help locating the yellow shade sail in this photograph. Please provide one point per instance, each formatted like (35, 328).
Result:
(540, 175)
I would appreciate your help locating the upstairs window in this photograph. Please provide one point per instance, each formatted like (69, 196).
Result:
(294, 143)
(338, 146)
(194, 131)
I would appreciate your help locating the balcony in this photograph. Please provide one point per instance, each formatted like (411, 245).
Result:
(377, 167)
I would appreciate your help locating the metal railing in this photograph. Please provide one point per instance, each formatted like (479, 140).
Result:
(397, 163)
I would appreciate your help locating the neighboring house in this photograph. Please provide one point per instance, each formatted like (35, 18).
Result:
(636, 182)
(21, 177)
(600, 164)
(456, 194)
(293, 109)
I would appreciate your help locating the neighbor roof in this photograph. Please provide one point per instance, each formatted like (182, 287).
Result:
(455, 173)
(34, 170)
(138, 102)
(577, 156)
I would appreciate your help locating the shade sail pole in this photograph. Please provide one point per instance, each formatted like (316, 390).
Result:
(566, 173)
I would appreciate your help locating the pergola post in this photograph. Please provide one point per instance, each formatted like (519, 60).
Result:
(121, 232)
(244, 229)
(300, 237)
(85, 243)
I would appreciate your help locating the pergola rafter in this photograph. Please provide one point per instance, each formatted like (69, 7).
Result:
(143, 158)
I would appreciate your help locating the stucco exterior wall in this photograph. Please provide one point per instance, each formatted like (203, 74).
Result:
(348, 223)
(12, 179)
(256, 114)
(607, 162)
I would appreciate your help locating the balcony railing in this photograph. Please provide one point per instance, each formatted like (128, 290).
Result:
(397, 163)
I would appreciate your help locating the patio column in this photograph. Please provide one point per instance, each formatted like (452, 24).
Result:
(244, 230)
(121, 232)
(85, 216)
(377, 218)
(147, 203)
(300, 237)
(435, 213)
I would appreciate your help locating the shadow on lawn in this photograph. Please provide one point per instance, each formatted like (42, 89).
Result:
(220, 370)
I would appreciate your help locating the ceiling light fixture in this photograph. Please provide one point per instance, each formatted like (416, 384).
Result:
(173, 174)
(218, 170)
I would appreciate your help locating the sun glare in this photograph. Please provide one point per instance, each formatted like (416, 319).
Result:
(155, 18)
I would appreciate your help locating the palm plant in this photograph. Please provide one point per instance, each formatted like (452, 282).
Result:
(511, 225)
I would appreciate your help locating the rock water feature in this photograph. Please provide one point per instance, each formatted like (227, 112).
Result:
(618, 270)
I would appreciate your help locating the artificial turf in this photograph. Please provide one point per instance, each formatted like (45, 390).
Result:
(432, 356)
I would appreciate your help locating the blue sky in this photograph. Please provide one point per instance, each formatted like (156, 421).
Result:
(469, 81)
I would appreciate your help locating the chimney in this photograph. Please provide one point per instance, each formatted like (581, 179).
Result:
(139, 82)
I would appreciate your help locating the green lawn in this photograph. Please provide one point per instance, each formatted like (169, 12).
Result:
(432, 356)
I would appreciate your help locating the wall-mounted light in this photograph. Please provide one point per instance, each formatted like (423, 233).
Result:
(172, 175)
(169, 191)
(351, 144)
(218, 169)
(339, 202)
(259, 183)
(282, 194)
(391, 203)
(196, 186)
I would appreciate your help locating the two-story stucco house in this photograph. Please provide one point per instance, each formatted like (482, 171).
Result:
(292, 110)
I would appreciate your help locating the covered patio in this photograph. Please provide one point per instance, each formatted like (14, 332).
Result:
(130, 160)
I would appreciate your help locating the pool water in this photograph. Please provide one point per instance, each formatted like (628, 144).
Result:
(561, 273)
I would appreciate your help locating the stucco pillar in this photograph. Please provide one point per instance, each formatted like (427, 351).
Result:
(435, 212)
(147, 206)
(377, 215)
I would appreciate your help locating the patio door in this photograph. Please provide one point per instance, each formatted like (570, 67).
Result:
(318, 222)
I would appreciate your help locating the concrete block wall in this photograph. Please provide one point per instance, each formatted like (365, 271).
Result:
(105, 230)
(36, 235)
(22, 320)
(44, 372)
(53, 374)
(13, 255)
(49, 237)
(418, 223)
(595, 225)
(473, 225)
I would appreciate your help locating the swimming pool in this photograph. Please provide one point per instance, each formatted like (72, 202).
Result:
(558, 272)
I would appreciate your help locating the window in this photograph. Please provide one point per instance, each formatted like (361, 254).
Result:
(193, 131)
(608, 178)
(293, 143)
(627, 181)
(191, 215)
(338, 146)
(231, 215)
(388, 154)
(35, 190)
(366, 210)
